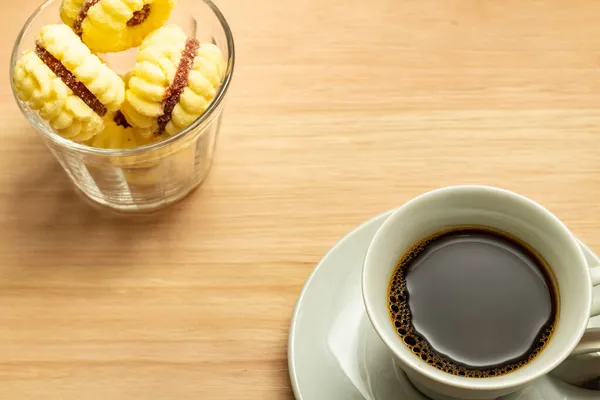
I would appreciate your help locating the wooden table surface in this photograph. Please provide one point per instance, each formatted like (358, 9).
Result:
(339, 110)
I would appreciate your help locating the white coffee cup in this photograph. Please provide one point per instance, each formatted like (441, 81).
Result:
(440, 209)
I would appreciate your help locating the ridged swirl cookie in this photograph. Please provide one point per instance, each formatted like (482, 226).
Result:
(118, 135)
(173, 82)
(114, 25)
(71, 88)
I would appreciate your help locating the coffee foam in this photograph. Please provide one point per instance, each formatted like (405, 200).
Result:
(402, 319)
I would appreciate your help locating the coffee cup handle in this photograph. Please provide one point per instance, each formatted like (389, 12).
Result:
(590, 342)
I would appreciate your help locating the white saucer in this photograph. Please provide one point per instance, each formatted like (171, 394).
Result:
(334, 353)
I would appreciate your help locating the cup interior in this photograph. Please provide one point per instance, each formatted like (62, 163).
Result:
(496, 208)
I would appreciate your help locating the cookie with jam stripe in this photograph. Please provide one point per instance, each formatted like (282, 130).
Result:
(114, 25)
(70, 87)
(173, 82)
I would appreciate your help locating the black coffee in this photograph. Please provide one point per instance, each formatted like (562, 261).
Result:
(473, 302)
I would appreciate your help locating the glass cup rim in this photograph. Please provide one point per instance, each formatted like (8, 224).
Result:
(81, 148)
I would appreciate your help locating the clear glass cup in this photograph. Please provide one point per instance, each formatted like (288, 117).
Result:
(151, 177)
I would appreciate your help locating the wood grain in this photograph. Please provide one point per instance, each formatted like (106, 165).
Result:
(339, 110)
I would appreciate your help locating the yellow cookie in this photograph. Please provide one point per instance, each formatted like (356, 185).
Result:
(173, 82)
(117, 135)
(114, 25)
(71, 88)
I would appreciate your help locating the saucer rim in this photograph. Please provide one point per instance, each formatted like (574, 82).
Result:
(294, 320)
(294, 317)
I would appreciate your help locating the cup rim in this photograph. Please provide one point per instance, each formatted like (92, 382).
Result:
(207, 115)
(492, 383)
